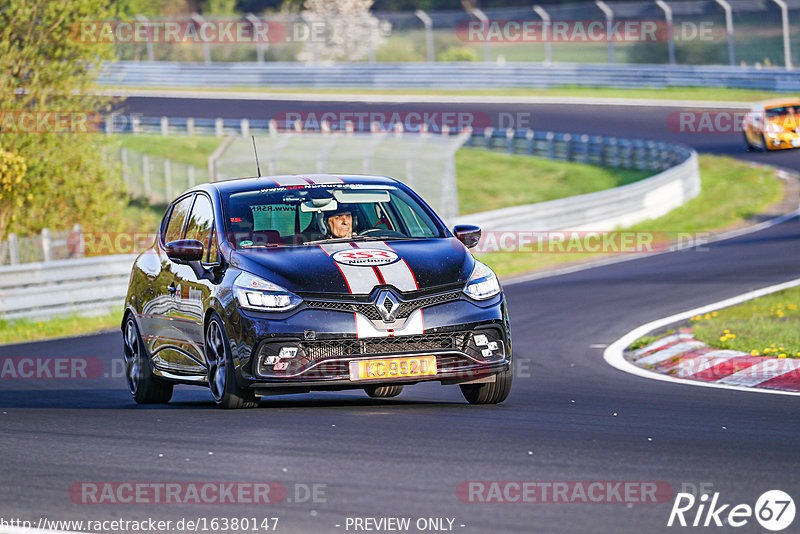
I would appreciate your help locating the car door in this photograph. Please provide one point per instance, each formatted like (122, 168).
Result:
(166, 338)
(191, 294)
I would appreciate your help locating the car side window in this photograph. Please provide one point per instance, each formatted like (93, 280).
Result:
(177, 219)
(201, 221)
(213, 249)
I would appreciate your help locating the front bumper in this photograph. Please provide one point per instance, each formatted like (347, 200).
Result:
(782, 141)
(324, 343)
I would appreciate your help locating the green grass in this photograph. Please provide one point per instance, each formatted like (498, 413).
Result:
(767, 326)
(670, 93)
(732, 192)
(22, 330)
(490, 180)
(191, 150)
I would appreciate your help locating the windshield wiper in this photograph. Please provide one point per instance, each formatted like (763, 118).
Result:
(357, 238)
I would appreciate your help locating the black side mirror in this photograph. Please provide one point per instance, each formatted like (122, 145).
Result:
(185, 251)
(467, 234)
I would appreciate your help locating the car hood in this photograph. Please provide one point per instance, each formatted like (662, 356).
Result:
(360, 267)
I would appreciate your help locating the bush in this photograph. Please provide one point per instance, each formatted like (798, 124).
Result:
(460, 53)
(14, 191)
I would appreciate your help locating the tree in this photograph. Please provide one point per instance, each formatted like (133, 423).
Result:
(341, 30)
(48, 70)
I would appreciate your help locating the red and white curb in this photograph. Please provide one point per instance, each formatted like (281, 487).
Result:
(682, 359)
(682, 356)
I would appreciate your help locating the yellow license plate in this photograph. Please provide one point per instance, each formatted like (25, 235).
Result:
(393, 368)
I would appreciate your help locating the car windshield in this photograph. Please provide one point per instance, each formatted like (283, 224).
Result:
(302, 216)
(783, 111)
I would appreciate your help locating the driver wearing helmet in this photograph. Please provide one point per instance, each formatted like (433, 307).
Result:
(340, 222)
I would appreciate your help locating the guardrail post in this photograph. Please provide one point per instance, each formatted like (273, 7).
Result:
(481, 16)
(602, 153)
(13, 249)
(80, 250)
(609, 13)
(190, 126)
(787, 43)
(568, 152)
(529, 135)
(671, 35)
(244, 126)
(585, 141)
(546, 24)
(488, 132)
(510, 140)
(136, 125)
(729, 28)
(551, 145)
(46, 242)
(164, 126)
(428, 23)
(109, 124)
(218, 127)
(146, 174)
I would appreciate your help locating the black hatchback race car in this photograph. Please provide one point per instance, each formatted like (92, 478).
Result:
(288, 284)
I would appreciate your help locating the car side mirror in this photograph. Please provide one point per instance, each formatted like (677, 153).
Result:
(185, 251)
(467, 234)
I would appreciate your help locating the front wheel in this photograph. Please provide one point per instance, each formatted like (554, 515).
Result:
(145, 387)
(491, 392)
(221, 378)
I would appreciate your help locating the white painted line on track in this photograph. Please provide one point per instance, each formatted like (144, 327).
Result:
(420, 98)
(613, 355)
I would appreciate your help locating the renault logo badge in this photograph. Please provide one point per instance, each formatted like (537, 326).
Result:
(387, 305)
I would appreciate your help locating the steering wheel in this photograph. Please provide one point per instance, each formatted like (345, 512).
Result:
(380, 232)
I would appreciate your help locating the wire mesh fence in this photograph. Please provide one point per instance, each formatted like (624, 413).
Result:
(692, 32)
(424, 162)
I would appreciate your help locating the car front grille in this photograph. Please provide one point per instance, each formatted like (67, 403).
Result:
(368, 309)
(316, 350)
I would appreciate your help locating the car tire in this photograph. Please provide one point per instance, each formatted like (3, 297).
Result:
(747, 144)
(383, 392)
(491, 392)
(144, 386)
(220, 371)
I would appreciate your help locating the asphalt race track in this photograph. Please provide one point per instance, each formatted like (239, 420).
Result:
(570, 416)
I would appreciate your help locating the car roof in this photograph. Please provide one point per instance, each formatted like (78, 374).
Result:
(244, 184)
(777, 102)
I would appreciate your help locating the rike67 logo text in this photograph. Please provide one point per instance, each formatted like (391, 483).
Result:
(774, 510)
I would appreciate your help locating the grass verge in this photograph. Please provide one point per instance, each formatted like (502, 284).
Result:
(22, 330)
(669, 93)
(766, 326)
(732, 192)
(489, 180)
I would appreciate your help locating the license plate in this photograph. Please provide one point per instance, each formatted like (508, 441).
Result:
(393, 368)
(796, 142)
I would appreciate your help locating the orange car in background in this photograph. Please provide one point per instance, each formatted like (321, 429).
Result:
(773, 125)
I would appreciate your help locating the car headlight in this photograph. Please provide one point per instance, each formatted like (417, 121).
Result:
(253, 293)
(773, 128)
(482, 283)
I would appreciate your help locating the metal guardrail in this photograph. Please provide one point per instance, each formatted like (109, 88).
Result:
(443, 75)
(678, 181)
(84, 285)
